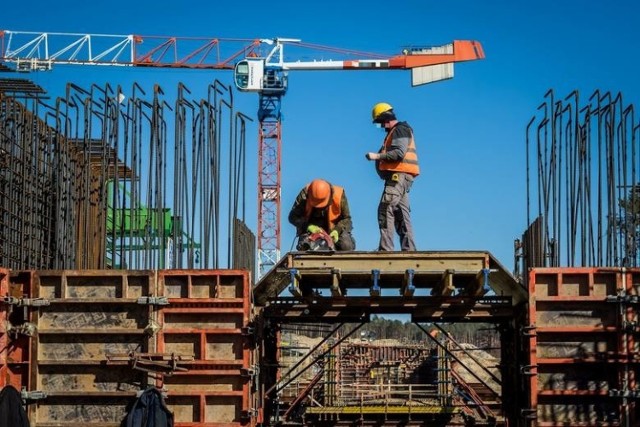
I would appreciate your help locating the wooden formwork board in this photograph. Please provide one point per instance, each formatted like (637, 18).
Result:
(208, 319)
(582, 341)
(435, 273)
(103, 336)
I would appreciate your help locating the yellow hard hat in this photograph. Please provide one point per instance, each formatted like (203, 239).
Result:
(318, 193)
(379, 109)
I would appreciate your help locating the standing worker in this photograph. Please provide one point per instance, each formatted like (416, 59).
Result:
(323, 206)
(397, 165)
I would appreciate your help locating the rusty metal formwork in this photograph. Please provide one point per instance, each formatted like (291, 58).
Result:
(90, 341)
(581, 347)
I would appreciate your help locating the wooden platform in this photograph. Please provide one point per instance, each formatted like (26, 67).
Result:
(406, 274)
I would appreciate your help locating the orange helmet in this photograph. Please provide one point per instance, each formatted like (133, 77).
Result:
(319, 193)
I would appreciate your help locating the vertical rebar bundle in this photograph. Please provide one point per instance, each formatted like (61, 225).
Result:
(583, 189)
(102, 179)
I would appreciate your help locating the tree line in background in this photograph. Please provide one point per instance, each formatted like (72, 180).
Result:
(379, 328)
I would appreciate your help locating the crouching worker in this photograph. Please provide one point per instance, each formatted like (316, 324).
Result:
(321, 209)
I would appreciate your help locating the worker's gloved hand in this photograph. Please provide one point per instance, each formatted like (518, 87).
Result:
(373, 156)
(314, 229)
(334, 236)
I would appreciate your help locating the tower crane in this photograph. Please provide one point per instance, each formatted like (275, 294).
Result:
(259, 66)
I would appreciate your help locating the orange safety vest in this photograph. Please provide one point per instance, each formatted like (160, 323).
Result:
(409, 164)
(334, 206)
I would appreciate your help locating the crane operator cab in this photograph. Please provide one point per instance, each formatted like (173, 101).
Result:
(251, 75)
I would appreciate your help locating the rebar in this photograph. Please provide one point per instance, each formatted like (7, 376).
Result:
(586, 190)
(100, 179)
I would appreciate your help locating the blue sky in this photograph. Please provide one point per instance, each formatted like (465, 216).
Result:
(470, 131)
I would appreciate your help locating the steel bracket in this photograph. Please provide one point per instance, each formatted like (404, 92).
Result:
(156, 363)
(25, 302)
(633, 394)
(249, 372)
(375, 286)
(528, 331)
(26, 329)
(32, 395)
(336, 275)
(623, 299)
(153, 300)
(527, 370)
(294, 285)
(408, 288)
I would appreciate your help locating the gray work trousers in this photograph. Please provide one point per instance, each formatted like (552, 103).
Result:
(394, 214)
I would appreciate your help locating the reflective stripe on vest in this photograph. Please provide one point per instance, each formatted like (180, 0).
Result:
(334, 207)
(408, 164)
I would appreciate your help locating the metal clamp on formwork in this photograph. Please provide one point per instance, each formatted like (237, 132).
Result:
(294, 284)
(375, 286)
(528, 370)
(529, 413)
(250, 413)
(25, 302)
(149, 300)
(250, 372)
(156, 363)
(633, 394)
(485, 281)
(28, 396)
(26, 329)
(408, 288)
(336, 275)
(623, 299)
(528, 331)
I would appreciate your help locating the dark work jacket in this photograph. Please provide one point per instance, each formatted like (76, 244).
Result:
(149, 410)
(12, 413)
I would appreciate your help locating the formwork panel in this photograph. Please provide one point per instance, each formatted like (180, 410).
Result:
(220, 409)
(576, 346)
(205, 318)
(72, 316)
(583, 412)
(217, 410)
(81, 410)
(87, 337)
(83, 378)
(223, 284)
(571, 377)
(94, 284)
(230, 382)
(575, 314)
(581, 343)
(208, 318)
(87, 347)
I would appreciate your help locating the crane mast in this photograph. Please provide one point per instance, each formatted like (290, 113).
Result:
(254, 71)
